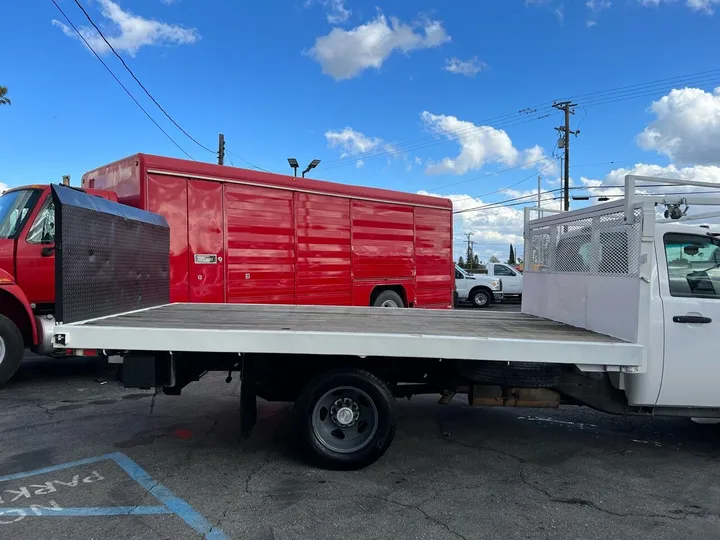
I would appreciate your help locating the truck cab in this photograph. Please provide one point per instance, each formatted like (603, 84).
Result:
(512, 278)
(27, 272)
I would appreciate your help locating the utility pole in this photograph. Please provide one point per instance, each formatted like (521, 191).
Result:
(539, 199)
(470, 253)
(568, 108)
(221, 149)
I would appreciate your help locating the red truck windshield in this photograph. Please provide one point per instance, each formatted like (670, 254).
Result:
(14, 209)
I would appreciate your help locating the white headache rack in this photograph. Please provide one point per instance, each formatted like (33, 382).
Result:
(592, 267)
(348, 331)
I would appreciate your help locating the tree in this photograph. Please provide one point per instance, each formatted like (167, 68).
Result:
(476, 261)
(4, 100)
(493, 259)
(511, 259)
(461, 262)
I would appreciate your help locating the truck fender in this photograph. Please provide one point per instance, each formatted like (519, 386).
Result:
(8, 286)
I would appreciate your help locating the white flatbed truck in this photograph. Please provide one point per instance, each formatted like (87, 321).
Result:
(619, 310)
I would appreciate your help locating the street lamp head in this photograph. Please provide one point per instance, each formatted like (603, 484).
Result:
(314, 163)
(293, 162)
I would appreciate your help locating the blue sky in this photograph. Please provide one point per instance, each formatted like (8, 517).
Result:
(403, 95)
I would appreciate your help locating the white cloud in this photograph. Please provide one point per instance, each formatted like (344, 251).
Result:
(616, 179)
(3, 187)
(336, 11)
(706, 6)
(702, 5)
(479, 145)
(469, 68)
(128, 32)
(353, 143)
(597, 5)
(494, 228)
(686, 126)
(360, 164)
(344, 54)
(590, 24)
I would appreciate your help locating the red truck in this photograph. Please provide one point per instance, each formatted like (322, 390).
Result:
(237, 236)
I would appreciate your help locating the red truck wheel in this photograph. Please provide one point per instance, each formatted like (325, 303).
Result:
(12, 347)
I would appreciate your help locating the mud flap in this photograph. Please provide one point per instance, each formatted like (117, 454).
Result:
(248, 397)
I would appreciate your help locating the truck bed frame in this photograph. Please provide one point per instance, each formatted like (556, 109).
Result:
(349, 331)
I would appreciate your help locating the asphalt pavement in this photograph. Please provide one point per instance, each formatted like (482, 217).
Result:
(83, 458)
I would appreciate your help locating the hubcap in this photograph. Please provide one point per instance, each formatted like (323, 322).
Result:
(344, 420)
(480, 299)
(389, 303)
(345, 412)
(2, 349)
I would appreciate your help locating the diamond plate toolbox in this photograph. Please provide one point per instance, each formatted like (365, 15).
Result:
(109, 258)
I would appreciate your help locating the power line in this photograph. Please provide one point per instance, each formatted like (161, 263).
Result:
(119, 82)
(130, 71)
(664, 81)
(520, 182)
(420, 143)
(138, 80)
(600, 97)
(532, 176)
(526, 199)
(246, 161)
(488, 175)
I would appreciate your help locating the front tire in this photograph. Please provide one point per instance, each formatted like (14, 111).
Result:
(12, 348)
(345, 419)
(480, 298)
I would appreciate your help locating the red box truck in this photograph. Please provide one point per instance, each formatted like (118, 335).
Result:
(238, 236)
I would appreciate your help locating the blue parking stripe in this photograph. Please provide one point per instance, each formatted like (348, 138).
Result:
(172, 503)
(93, 511)
(177, 505)
(56, 467)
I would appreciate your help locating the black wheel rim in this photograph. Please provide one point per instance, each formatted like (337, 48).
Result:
(345, 419)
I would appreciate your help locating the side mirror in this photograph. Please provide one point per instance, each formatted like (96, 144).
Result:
(47, 251)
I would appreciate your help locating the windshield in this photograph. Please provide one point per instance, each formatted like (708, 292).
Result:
(14, 209)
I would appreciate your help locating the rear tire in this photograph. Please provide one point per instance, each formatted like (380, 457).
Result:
(389, 299)
(12, 348)
(345, 419)
(480, 298)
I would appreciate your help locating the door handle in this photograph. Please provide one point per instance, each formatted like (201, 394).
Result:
(691, 319)
(47, 251)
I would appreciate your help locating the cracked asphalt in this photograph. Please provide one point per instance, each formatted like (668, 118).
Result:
(453, 472)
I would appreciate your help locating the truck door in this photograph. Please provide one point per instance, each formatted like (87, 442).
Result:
(512, 281)
(689, 270)
(35, 256)
(461, 284)
(206, 241)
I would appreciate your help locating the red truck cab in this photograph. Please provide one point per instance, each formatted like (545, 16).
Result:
(27, 272)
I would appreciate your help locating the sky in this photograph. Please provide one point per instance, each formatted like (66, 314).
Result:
(448, 98)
